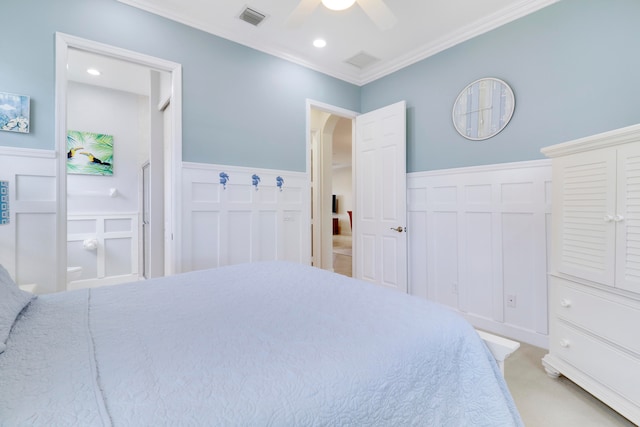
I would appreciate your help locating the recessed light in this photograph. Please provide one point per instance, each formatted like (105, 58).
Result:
(319, 43)
(93, 71)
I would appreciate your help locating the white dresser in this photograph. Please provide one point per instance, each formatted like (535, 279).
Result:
(594, 300)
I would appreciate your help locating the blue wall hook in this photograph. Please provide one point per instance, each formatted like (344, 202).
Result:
(279, 182)
(224, 178)
(255, 180)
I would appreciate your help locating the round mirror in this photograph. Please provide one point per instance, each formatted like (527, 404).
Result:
(483, 109)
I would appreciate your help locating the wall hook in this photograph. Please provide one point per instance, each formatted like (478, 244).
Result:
(255, 180)
(224, 178)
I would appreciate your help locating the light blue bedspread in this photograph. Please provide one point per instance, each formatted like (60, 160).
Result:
(266, 344)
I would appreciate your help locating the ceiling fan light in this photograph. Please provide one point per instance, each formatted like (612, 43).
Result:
(338, 4)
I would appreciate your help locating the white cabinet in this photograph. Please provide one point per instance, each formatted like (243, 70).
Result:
(583, 207)
(627, 218)
(594, 298)
(596, 195)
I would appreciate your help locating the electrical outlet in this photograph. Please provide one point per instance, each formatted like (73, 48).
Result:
(511, 301)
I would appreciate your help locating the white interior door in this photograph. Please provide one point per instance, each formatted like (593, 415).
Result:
(380, 207)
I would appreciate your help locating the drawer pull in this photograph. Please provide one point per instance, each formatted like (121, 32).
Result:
(565, 303)
(608, 218)
(564, 343)
(618, 218)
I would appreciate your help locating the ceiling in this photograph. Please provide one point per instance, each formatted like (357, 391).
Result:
(423, 28)
(114, 73)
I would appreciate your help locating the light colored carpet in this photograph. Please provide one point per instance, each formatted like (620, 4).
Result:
(545, 402)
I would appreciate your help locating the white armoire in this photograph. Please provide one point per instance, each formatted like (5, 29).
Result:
(594, 295)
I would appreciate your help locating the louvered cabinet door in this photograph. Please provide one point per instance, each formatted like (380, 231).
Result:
(584, 212)
(627, 219)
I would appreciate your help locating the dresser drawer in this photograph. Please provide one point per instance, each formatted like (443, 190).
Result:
(617, 370)
(616, 322)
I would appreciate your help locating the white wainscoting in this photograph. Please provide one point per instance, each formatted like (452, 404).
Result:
(28, 242)
(479, 238)
(114, 259)
(239, 222)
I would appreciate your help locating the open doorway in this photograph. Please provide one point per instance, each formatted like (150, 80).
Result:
(342, 197)
(132, 118)
(379, 248)
(331, 158)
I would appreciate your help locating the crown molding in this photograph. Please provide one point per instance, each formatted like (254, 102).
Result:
(361, 78)
(466, 33)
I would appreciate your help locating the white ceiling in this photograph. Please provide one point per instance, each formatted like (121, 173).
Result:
(114, 73)
(423, 28)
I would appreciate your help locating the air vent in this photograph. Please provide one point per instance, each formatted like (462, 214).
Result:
(361, 60)
(252, 16)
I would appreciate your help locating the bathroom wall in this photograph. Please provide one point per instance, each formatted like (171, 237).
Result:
(106, 209)
(122, 115)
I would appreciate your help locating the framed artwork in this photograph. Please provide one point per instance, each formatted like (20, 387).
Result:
(89, 153)
(4, 202)
(14, 112)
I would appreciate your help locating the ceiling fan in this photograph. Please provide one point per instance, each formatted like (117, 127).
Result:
(376, 10)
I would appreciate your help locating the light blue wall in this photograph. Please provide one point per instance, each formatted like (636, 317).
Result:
(240, 106)
(574, 67)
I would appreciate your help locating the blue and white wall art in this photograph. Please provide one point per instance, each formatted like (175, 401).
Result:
(14, 112)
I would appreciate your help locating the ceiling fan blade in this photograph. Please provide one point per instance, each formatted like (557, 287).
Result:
(379, 13)
(301, 12)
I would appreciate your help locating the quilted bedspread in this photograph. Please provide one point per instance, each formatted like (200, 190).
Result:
(264, 344)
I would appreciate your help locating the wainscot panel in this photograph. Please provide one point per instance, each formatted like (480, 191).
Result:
(28, 241)
(484, 233)
(105, 246)
(234, 214)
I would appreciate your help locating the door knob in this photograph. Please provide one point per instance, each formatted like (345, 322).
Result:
(398, 229)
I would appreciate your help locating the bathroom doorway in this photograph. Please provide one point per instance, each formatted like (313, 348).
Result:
(134, 109)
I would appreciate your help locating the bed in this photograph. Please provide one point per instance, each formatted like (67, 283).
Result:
(262, 344)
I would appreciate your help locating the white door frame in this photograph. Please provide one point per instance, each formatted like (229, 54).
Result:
(63, 43)
(348, 114)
